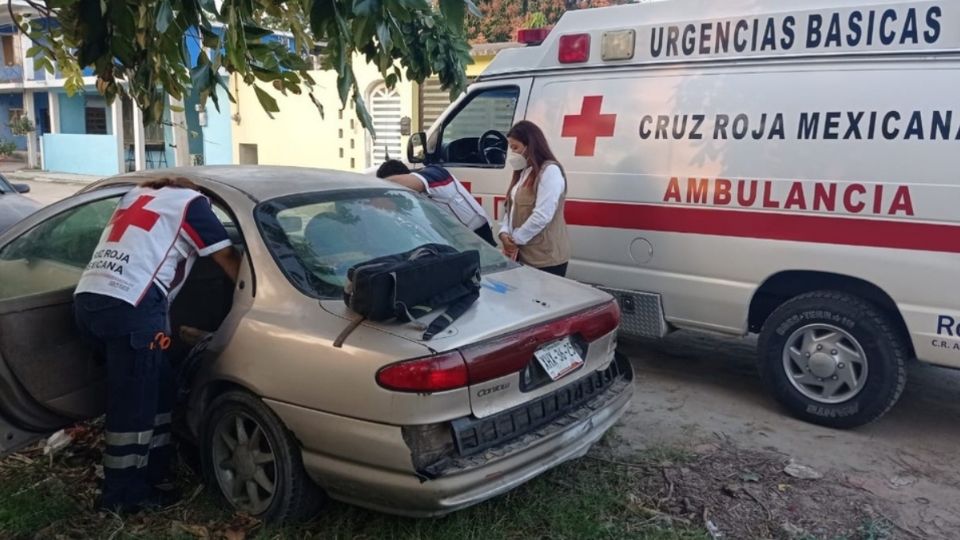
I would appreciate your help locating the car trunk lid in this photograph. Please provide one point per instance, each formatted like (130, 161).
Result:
(519, 312)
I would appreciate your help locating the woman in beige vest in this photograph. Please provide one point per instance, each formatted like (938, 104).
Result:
(533, 228)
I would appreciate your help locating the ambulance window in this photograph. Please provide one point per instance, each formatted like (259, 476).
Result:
(488, 114)
(51, 256)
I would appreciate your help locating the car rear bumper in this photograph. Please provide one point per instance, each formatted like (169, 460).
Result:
(469, 480)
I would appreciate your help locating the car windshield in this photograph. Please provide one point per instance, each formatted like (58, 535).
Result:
(317, 237)
(5, 186)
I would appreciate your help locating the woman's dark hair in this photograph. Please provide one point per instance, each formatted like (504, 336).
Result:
(538, 150)
(170, 181)
(392, 167)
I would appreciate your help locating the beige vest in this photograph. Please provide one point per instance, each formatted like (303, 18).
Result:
(551, 246)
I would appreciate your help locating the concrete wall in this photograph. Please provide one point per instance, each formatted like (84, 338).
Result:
(218, 133)
(72, 114)
(299, 135)
(73, 111)
(81, 154)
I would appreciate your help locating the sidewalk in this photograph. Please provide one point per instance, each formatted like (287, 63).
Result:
(35, 175)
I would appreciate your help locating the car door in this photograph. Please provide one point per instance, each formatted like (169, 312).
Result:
(48, 377)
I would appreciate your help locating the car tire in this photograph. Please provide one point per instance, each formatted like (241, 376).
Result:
(270, 457)
(833, 359)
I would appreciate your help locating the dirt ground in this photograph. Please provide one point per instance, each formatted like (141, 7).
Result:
(700, 395)
(694, 387)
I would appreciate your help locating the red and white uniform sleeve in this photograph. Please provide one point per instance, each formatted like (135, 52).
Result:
(202, 230)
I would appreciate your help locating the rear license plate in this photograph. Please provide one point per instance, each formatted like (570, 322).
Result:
(559, 359)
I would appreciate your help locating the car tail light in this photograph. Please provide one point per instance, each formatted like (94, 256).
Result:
(497, 357)
(574, 48)
(430, 374)
(509, 354)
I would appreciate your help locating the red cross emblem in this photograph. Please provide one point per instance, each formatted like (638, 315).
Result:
(135, 215)
(589, 125)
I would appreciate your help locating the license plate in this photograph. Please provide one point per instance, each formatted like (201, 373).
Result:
(559, 359)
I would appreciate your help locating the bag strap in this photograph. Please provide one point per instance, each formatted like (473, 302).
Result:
(338, 343)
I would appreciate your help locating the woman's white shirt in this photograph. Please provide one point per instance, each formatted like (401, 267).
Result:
(551, 188)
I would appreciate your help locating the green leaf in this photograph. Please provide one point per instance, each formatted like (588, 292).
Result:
(473, 9)
(365, 8)
(362, 114)
(210, 6)
(201, 76)
(253, 32)
(344, 84)
(322, 12)
(138, 49)
(416, 5)
(209, 38)
(267, 101)
(164, 16)
(383, 34)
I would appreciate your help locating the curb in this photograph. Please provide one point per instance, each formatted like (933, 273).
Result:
(52, 178)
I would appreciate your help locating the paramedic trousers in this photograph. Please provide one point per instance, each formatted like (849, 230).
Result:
(140, 392)
(486, 233)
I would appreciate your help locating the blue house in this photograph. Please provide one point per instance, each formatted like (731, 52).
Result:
(81, 134)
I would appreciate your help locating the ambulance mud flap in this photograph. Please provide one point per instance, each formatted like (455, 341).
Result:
(641, 314)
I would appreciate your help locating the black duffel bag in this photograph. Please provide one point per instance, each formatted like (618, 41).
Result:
(409, 285)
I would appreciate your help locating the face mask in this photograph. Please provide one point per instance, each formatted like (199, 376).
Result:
(516, 161)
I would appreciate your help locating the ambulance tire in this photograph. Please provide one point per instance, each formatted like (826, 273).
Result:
(296, 497)
(882, 345)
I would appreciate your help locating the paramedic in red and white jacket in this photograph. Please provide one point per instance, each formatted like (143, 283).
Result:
(122, 306)
(444, 189)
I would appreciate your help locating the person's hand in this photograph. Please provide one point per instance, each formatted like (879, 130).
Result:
(508, 243)
(510, 247)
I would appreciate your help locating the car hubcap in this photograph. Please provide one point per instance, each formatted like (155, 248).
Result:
(244, 463)
(825, 363)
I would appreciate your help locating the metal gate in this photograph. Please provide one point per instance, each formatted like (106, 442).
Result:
(385, 109)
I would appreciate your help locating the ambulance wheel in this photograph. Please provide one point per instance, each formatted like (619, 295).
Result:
(255, 464)
(833, 359)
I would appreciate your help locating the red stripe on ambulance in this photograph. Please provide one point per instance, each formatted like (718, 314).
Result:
(767, 225)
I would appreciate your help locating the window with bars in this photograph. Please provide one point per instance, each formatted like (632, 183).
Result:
(386, 110)
(95, 120)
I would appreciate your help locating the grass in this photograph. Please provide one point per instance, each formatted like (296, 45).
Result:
(28, 503)
(587, 499)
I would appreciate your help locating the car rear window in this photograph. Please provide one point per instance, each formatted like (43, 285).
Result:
(315, 238)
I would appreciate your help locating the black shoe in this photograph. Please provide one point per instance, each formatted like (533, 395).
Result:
(167, 494)
(166, 484)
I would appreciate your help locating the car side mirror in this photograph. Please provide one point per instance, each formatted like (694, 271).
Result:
(417, 148)
(22, 188)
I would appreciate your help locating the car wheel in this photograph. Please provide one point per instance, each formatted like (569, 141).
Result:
(255, 464)
(833, 359)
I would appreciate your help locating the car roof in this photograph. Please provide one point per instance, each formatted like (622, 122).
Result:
(259, 182)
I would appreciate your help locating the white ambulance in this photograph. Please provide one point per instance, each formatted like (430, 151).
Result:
(783, 167)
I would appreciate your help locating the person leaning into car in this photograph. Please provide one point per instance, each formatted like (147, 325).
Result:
(444, 189)
(122, 305)
(533, 228)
